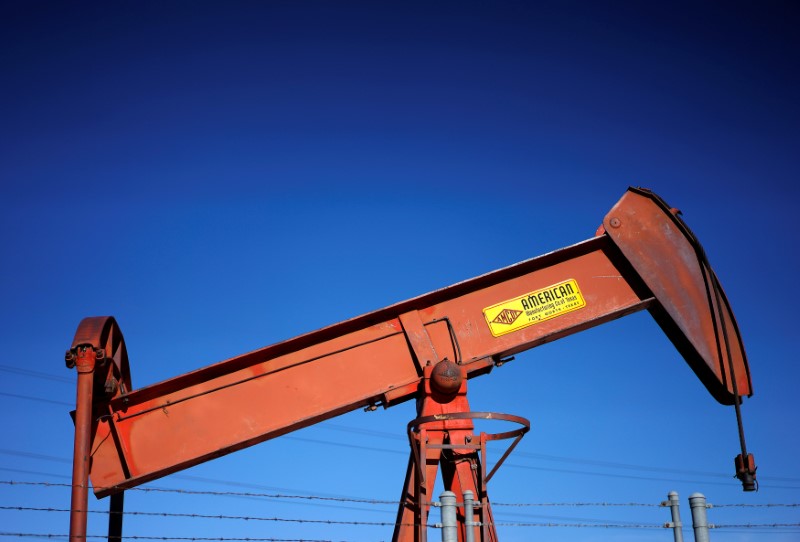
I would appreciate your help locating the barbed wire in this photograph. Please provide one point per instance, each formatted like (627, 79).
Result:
(194, 538)
(377, 523)
(390, 502)
(258, 539)
(318, 521)
(584, 525)
(565, 504)
(752, 525)
(214, 516)
(647, 526)
(766, 505)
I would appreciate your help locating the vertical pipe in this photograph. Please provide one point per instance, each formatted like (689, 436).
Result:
(699, 520)
(469, 516)
(449, 523)
(115, 508)
(677, 526)
(81, 453)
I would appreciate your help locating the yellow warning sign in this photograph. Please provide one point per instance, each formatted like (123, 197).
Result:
(534, 307)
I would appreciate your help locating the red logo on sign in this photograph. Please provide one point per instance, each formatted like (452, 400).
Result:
(506, 316)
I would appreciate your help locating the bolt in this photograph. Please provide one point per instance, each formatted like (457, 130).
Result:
(69, 358)
(111, 386)
(615, 222)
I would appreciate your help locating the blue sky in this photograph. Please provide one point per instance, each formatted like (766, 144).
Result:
(222, 176)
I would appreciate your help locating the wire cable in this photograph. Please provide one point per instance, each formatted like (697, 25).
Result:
(37, 374)
(219, 493)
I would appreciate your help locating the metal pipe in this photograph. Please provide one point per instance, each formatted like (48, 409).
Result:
(676, 525)
(469, 516)
(699, 519)
(85, 364)
(449, 522)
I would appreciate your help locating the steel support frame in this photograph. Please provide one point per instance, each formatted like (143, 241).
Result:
(442, 436)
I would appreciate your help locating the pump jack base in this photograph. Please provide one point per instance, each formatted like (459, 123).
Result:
(448, 440)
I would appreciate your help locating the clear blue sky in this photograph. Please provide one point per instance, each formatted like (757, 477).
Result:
(222, 176)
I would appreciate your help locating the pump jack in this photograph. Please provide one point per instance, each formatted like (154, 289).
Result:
(643, 256)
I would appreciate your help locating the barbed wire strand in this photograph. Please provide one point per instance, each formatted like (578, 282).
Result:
(387, 524)
(584, 525)
(275, 519)
(195, 538)
(766, 505)
(391, 502)
(752, 525)
(588, 504)
(253, 539)
(647, 526)
(214, 516)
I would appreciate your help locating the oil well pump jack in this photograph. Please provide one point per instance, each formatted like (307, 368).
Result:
(643, 256)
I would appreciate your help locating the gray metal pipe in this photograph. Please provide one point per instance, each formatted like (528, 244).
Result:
(676, 525)
(469, 516)
(449, 521)
(699, 519)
